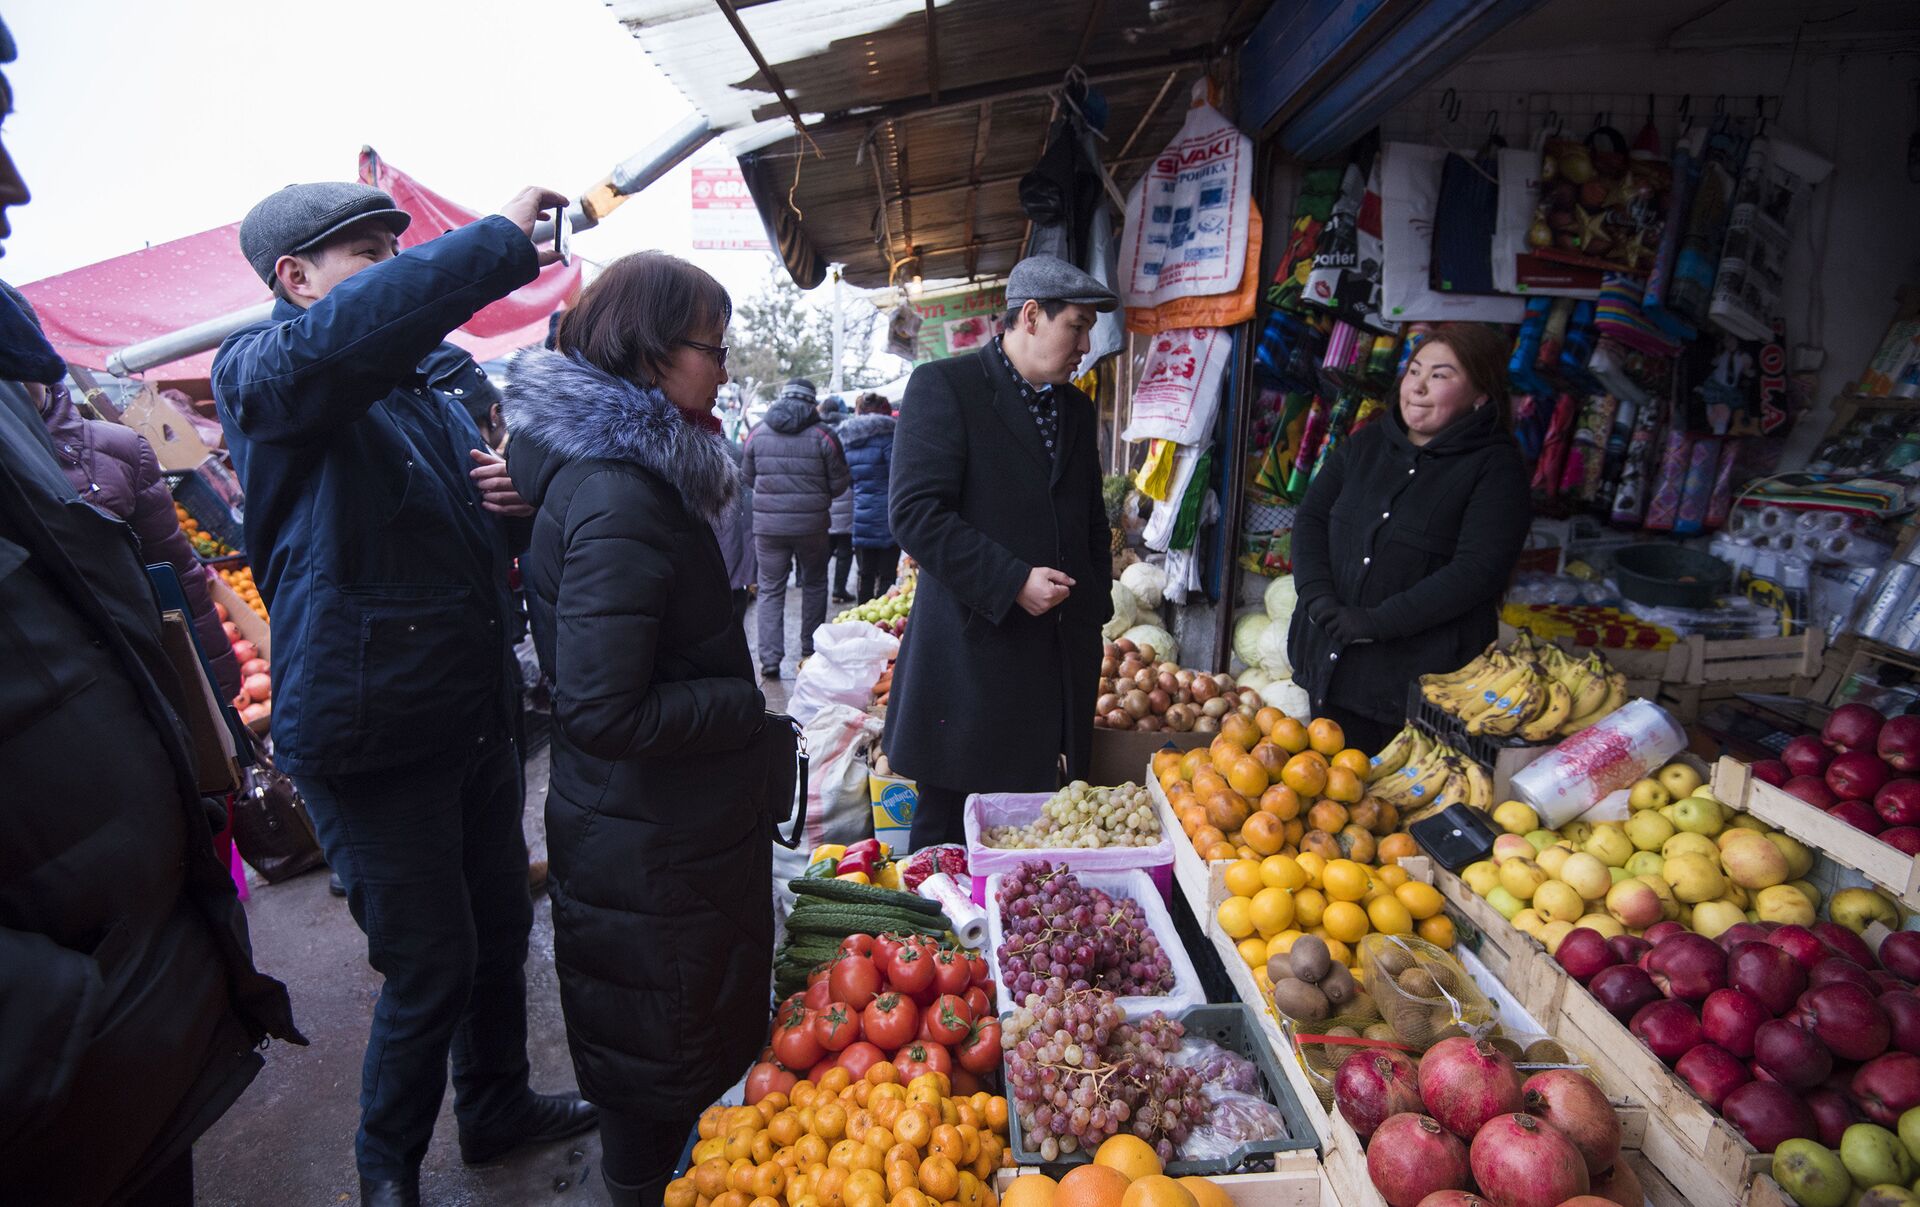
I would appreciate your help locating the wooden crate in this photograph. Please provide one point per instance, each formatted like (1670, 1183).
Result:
(1734, 784)
(1189, 870)
(1720, 670)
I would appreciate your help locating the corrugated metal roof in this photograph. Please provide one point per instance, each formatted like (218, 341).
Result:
(926, 112)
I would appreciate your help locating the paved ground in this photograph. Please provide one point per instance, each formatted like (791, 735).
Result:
(289, 1140)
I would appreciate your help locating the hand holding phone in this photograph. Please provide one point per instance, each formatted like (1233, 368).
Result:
(560, 235)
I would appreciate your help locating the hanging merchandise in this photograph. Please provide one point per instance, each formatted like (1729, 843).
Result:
(1690, 293)
(1214, 310)
(1159, 532)
(1154, 479)
(1345, 278)
(1186, 227)
(1555, 447)
(1178, 393)
(1409, 195)
(1720, 503)
(1313, 434)
(1289, 429)
(1515, 261)
(1637, 469)
(1602, 207)
(1061, 194)
(1618, 316)
(1663, 505)
(1736, 387)
(1773, 190)
(1696, 490)
(1109, 333)
(1587, 451)
(903, 329)
(1463, 221)
(1319, 189)
(1686, 182)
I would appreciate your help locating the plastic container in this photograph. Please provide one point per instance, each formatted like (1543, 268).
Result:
(1023, 808)
(1669, 575)
(1625, 745)
(1232, 1027)
(1187, 991)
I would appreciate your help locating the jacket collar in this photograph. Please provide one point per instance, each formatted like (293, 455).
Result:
(579, 412)
(1470, 432)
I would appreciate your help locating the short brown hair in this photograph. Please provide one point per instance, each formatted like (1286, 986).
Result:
(636, 312)
(874, 404)
(1482, 351)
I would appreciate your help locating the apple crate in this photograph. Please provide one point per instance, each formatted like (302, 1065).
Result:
(1895, 871)
(1721, 670)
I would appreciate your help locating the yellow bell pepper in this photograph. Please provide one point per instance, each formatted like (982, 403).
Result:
(889, 877)
(856, 877)
(829, 850)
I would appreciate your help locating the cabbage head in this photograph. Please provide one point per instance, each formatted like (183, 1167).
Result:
(1164, 648)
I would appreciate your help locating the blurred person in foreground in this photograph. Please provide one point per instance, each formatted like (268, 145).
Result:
(660, 840)
(380, 529)
(131, 1015)
(996, 494)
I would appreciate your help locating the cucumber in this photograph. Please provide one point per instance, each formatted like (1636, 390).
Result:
(847, 892)
(862, 924)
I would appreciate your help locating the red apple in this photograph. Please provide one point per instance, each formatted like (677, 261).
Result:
(1903, 1017)
(1899, 743)
(1583, 952)
(1898, 802)
(1846, 1019)
(1835, 1113)
(1623, 989)
(1811, 789)
(1731, 1016)
(1740, 932)
(1713, 1072)
(1769, 1115)
(1844, 942)
(1831, 969)
(1857, 775)
(1660, 930)
(1886, 982)
(1771, 771)
(1774, 979)
(1688, 966)
(1888, 1086)
(1806, 755)
(1904, 839)
(1852, 727)
(1629, 948)
(1900, 954)
(1669, 1028)
(1800, 943)
(1791, 1055)
(1858, 814)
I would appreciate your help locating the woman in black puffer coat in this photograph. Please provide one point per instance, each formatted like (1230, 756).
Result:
(658, 835)
(1407, 537)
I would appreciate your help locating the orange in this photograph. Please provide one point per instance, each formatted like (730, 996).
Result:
(1344, 785)
(731, 1198)
(971, 1192)
(769, 1181)
(1355, 761)
(939, 1177)
(830, 1121)
(1242, 878)
(1437, 930)
(1219, 851)
(899, 1153)
(1241, 731)
(1192, 761)
(1345, 921)
(1345, 880)
(1206, 837)
(1289, 735)
(1157, 1190)
(784, 1127)
(912, 1128)
(710, 1177)
(830, 1187)
(1328, 815)
(903, 1175)
(713, 1120)
(882, 1072)
(1395, 847)
(1423, 901)
(809, 1151)
(680, 1193)
(1227, 810)
(997, 1115)
(1253, 952)
(1091, 1186)
(1205, 1193)
(1267, 718)
(1032, 1190)
(1265, 834)
(1209, 781)
(1165, 761)
(1270, 757)
(1325, 736)
(946, 1143)
(1304, 775)
(739, 1144)
(835, 1079)
(865, 1188)
(764, 1201)
(1192, 817)
(1281, 801)
(1248, 778)
(909, 1196)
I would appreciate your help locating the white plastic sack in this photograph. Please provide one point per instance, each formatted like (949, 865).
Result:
(1409, 194)
(1178, 393)
(846, 663)
(841, 741)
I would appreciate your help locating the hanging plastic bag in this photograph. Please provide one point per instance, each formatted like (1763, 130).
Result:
(1409, 196)
(847, 661)
(1345, 278)
(1517, 239)
(1603, 208)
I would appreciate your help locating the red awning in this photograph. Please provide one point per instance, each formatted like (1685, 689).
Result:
(92, 312)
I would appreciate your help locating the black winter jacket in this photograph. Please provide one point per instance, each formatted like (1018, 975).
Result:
(129, 1004)
(659, 839)
(1422, 540)
(796, 469)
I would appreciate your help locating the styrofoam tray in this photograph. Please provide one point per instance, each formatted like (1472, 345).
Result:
(1136, 884)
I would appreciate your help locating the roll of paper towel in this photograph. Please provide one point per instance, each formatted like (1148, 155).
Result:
(969, 921)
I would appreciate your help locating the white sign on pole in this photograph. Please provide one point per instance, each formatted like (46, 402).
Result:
(724, 217)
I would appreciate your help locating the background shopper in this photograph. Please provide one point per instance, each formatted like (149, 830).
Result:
(794, 467)
(868, 440)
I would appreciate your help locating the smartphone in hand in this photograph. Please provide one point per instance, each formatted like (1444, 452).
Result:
(560, 235)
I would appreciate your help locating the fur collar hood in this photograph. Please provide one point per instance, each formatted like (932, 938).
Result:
(862, 430)
(568, 410)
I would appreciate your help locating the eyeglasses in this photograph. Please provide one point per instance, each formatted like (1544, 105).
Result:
(717, 351)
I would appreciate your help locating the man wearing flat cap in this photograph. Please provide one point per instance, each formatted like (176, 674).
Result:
(376, 525)
(996, 494)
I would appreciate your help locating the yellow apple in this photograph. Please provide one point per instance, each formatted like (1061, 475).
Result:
(1481, 877)
(1648, 831)
(1678, 779)
(1648, 794)
(1712, 917)
(1690, 844)
(1693, 878)
(1553, 858)
(1634, 904)
(1529, 922)
(1522, 877)
(1587, 876)
(1577, 832)
(1698, 815)
(1606, 924)
(1854, 908)
(1556, 901)
(1806, 889)
(1755, 863)
(1645, 863)
(1799, 858)
(1555, 932)
(1609, 844)
(1783, 904)
(1515, 817)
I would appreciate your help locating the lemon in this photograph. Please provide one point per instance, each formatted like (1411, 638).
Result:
(1281, 871)
(1236, 917)
(1272, 911)
(1243, 878)
(1423, 901)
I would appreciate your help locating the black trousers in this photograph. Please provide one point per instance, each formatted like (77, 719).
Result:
(939, 817)
(640, 1155)
(877, 566)
(1362, 732)
(171, 1187)
(842, 547)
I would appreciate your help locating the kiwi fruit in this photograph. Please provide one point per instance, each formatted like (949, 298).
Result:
(1546, 1052)
(1446, 1032)
(1362, 1007)
(1446, 976)
(1339, 985)
(1417, 982)
(1299, 1000)
(1513, 1050)
(1380, 1032)
(1278, 968)
(1310, 959)
(1391, 959)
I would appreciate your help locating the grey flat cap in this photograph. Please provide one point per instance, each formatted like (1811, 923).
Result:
(1051, 279)
(301, 215)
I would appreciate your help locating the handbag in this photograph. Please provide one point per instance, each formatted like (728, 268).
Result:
(271, 826)
(786, 784)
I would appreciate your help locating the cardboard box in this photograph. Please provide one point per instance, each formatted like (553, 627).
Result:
(1120, 756)
(176, 443)
(894, 801)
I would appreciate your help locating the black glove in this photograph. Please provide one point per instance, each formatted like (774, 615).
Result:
(1347, 625)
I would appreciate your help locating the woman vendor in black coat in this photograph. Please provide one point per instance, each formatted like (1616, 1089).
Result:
(1406, 539)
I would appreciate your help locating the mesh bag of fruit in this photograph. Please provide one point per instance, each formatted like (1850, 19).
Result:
(1423, 993)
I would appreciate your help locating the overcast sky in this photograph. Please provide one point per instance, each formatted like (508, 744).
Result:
(136, 122)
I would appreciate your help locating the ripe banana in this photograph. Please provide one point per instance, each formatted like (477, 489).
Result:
(1479, 786)
(1502, 689)
(1464, 674)
(1528, 701)
(1559, 707)
(1615, 696)
(1452, 697)
(1593, 686)
(1393, 755)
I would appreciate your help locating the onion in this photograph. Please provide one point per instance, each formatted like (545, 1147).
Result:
(1168, 683)
(1167, 668)
(1183, 696)
(1151, 724)
(1206, 725)
(1125, 646)
(1216, 707)
(1145, 679)
(1183, 677)
(1109, 666)
(1180, 717)
(1119, 719)
(1204, 689)
(1100, 720)
(1146, 652)
(1223, 682)
(1250, 696)
(1158, 702)
(1107, 702)
(1135, 702)
(1247, 711)
(1128, 667)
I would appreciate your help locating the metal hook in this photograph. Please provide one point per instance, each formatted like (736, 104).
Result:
(1719, 104)
(1551, 122)
(1602, 118)
(1450, 105)
(1685, 112)
(1493, 123)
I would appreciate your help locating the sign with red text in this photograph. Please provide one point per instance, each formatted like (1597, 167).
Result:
(724, 216)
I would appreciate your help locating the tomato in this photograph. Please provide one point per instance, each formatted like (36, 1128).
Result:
(836, 1027)
(918, 1058)
(979, 1052)
(979, 1005)
(977, 967)
(793, 1043)
(820, 974)
(950, 971)
(854, 982)
(859, 1057)
(819, 995)
(890, 1020)
(883, 948)
(859, 945)
(794, 1003)
(949, 1020)
(820, 1070)
(909, 971)
(767, 1078)
(965, 1084)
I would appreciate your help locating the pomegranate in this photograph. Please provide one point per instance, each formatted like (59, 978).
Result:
(1899, 743)
(1412, 1156)
(1852, 727)
(1518, 1161)
(1466, 1082)
(1454, 1198)
(1621, 1186)
(1371, 1087)
(1578, 1110)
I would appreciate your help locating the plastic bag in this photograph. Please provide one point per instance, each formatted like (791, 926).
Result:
(1420, 1009)
(847, 661)
(1218, 1067)
(1234, 1119)
(840, 741)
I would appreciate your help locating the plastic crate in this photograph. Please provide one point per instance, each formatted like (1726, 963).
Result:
(1234, 1028)
(1441, 724)
(1023, 808)
(216, 518)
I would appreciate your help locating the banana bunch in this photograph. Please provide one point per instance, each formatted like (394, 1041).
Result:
(1534, 691)
(1421, 776)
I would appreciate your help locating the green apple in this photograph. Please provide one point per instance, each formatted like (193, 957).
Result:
(1697, 815)
(1508, 904)
(1678, 779)
(1909, 1129)
(1648, 831)
(1648, 794)
(1875, 1156)
(1645, 863)
(1619, 874)
(1812, 1173)
(1542, 839)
